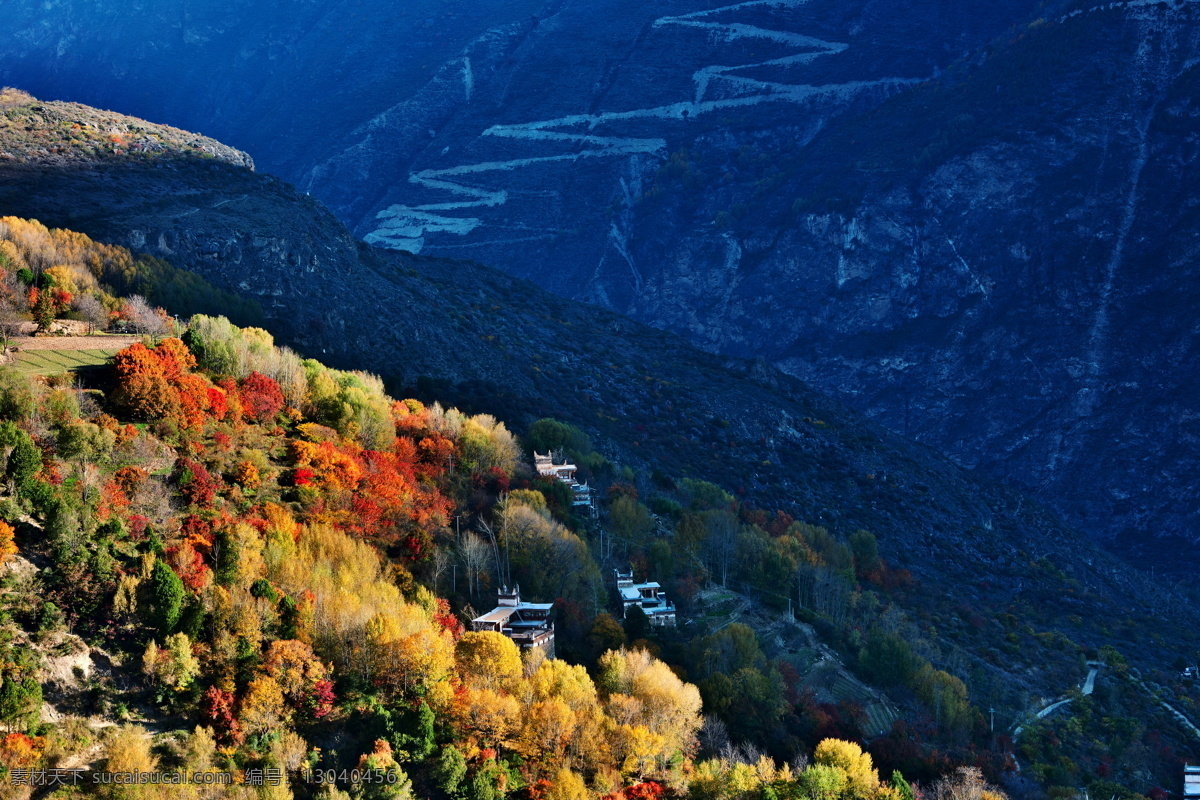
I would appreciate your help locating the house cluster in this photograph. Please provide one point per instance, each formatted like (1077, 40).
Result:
(1191, 782)
(583, 497)
(527, 624)
(646, 596)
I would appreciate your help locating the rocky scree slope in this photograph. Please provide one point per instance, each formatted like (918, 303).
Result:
(488, 341)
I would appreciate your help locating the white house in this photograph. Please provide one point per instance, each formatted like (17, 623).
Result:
(646, 596)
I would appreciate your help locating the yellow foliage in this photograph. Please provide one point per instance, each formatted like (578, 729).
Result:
(489, 658)
(7, 546)
(641, 751)
(409, 651)
(129, 750)
(262, 708)
(487, 716)
(861, 775)
(250, 565)
(547, 728)
(568, 785)
(567, 682)
(664, 704)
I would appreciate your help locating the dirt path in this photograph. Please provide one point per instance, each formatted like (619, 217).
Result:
(100, 342)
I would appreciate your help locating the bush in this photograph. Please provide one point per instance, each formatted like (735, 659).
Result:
(17, 402)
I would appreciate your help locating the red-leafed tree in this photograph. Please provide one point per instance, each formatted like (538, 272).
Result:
(261, 397)
(196, 483)
(217, 711)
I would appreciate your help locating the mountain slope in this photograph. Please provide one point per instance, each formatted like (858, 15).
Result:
(933, 211)
(486, 340)
(1014, 242)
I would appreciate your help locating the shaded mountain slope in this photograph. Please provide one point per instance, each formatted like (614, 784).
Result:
(934, 211)
(480, 338)
(1015, 242)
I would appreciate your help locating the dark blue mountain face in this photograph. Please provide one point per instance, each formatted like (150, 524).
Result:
(972, 220)
(283, 78)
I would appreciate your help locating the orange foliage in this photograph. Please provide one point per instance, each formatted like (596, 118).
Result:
(159, 383)
(144, 387)
(233, 400)
(280, 519)
(113, 500)
(331, 465)
(7, 546)
(193, 399)
(376, 494)
(18, 751)
(246, 475)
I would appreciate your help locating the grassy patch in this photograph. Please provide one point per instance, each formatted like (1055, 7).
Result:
(56, 362)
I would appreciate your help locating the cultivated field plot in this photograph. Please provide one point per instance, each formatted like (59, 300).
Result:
(55, 362)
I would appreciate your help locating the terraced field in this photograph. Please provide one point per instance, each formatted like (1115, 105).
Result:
(55, 362)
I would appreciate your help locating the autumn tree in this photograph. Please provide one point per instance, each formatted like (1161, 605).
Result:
(217, 710)
(658, 713)
(302, 677)
(142, 383)
(128, 751)
(489, 658)
(261, 397)
(262, 709)
(862, 779)
(395, 785)
(41, 304)
(966, 783)
(173, 666)
(8, 547)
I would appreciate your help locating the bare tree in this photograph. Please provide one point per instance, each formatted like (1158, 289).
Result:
(13, 305)
(722, 542)
(713, 735)
(89, 479)
(475, 556)
(442, 560)
(145, 318)
(93, 312)
(10, 322)
(966, 783)
(289, 374)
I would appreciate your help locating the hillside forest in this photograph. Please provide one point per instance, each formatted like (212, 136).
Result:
(222, 558)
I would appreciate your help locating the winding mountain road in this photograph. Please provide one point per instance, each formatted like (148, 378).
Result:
(405, 227)
(1089, 684)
